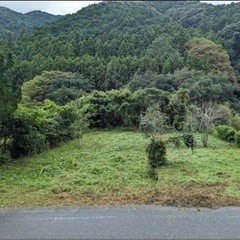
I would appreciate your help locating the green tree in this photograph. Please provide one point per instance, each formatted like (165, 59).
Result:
(60, 87)
(206, 55)
(177, 108)
(204, 118)
(9, 98)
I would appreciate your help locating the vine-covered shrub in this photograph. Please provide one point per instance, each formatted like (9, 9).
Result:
(226, 133)
(156, 153)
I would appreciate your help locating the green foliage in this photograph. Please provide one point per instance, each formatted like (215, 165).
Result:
(188, 139)
(177, 54)
(60, 87)
(9, 95)
(119, 108)
(237, 138)
(146, 127)
(226, 114)
(226, 133)
(110, 169)
(13, 22)
(205, 55)
(153, 122)
(81, 123)
(120, 48)
(176, 140)
(9, 98)
(5, 157)
(177, 109)
(34, 130)
(156, 151)
(203, 119)
(26, 139)
(236, 122)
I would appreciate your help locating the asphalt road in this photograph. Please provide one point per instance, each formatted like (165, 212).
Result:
(125, 222)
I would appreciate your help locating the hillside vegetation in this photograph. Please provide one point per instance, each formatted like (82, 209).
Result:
(167, 69)
(13, 23)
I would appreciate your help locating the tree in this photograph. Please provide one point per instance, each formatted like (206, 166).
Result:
(204, 118)
(60, 87)
(153, 122)
(177, 108)
(9, 98)
(203, 54)
(113, 75)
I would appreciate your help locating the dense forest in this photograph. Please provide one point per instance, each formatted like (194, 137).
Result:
(13, 23)
(105, 65)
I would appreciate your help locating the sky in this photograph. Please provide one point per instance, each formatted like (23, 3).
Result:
(53, 7)
(60, 7)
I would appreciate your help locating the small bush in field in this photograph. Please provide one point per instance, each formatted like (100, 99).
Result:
(156, 153)
(236, 122)
(237, 138)
(176, 140)
(226, 133)
(188, 139)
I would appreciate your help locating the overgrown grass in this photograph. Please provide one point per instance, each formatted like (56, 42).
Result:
(111, 168)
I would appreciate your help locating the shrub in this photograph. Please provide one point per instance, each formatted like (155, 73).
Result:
(188, 139)
(153, 122)
(230, 135)
(146, 127)
(176, 140)
(156, 153)
(236, 122)
(26, 139)
(226, 133)
(5, 157)
(237, 138)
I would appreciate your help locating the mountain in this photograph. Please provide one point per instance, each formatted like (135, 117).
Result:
(112, 42)
(13, 22)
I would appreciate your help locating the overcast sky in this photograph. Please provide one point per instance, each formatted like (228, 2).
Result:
(58, 7)
(53, 7)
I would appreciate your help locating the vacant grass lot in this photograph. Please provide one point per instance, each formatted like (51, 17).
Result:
(111, 168)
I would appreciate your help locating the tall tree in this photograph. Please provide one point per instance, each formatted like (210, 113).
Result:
(9, 98)
(206, 55)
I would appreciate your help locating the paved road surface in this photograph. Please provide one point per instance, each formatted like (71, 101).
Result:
(128, 222)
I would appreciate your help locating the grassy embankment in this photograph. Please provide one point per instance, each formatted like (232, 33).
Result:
(111, 168)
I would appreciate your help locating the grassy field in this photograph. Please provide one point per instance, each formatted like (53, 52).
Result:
(111, 168)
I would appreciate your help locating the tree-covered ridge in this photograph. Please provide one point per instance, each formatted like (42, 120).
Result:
(147, 30)
(13, 23)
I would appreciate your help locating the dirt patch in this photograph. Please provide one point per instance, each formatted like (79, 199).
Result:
(182, 195)
(194, 195)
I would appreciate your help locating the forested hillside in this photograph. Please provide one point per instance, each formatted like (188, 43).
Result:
(13, 23)
(110, 61)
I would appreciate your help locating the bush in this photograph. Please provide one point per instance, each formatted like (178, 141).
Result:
(237, 138)
(26, 139)
(175, 139)
(226, 133)
(5, 158)
(236, 122)
(230, 135)
(156, 153)
(188, 139)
